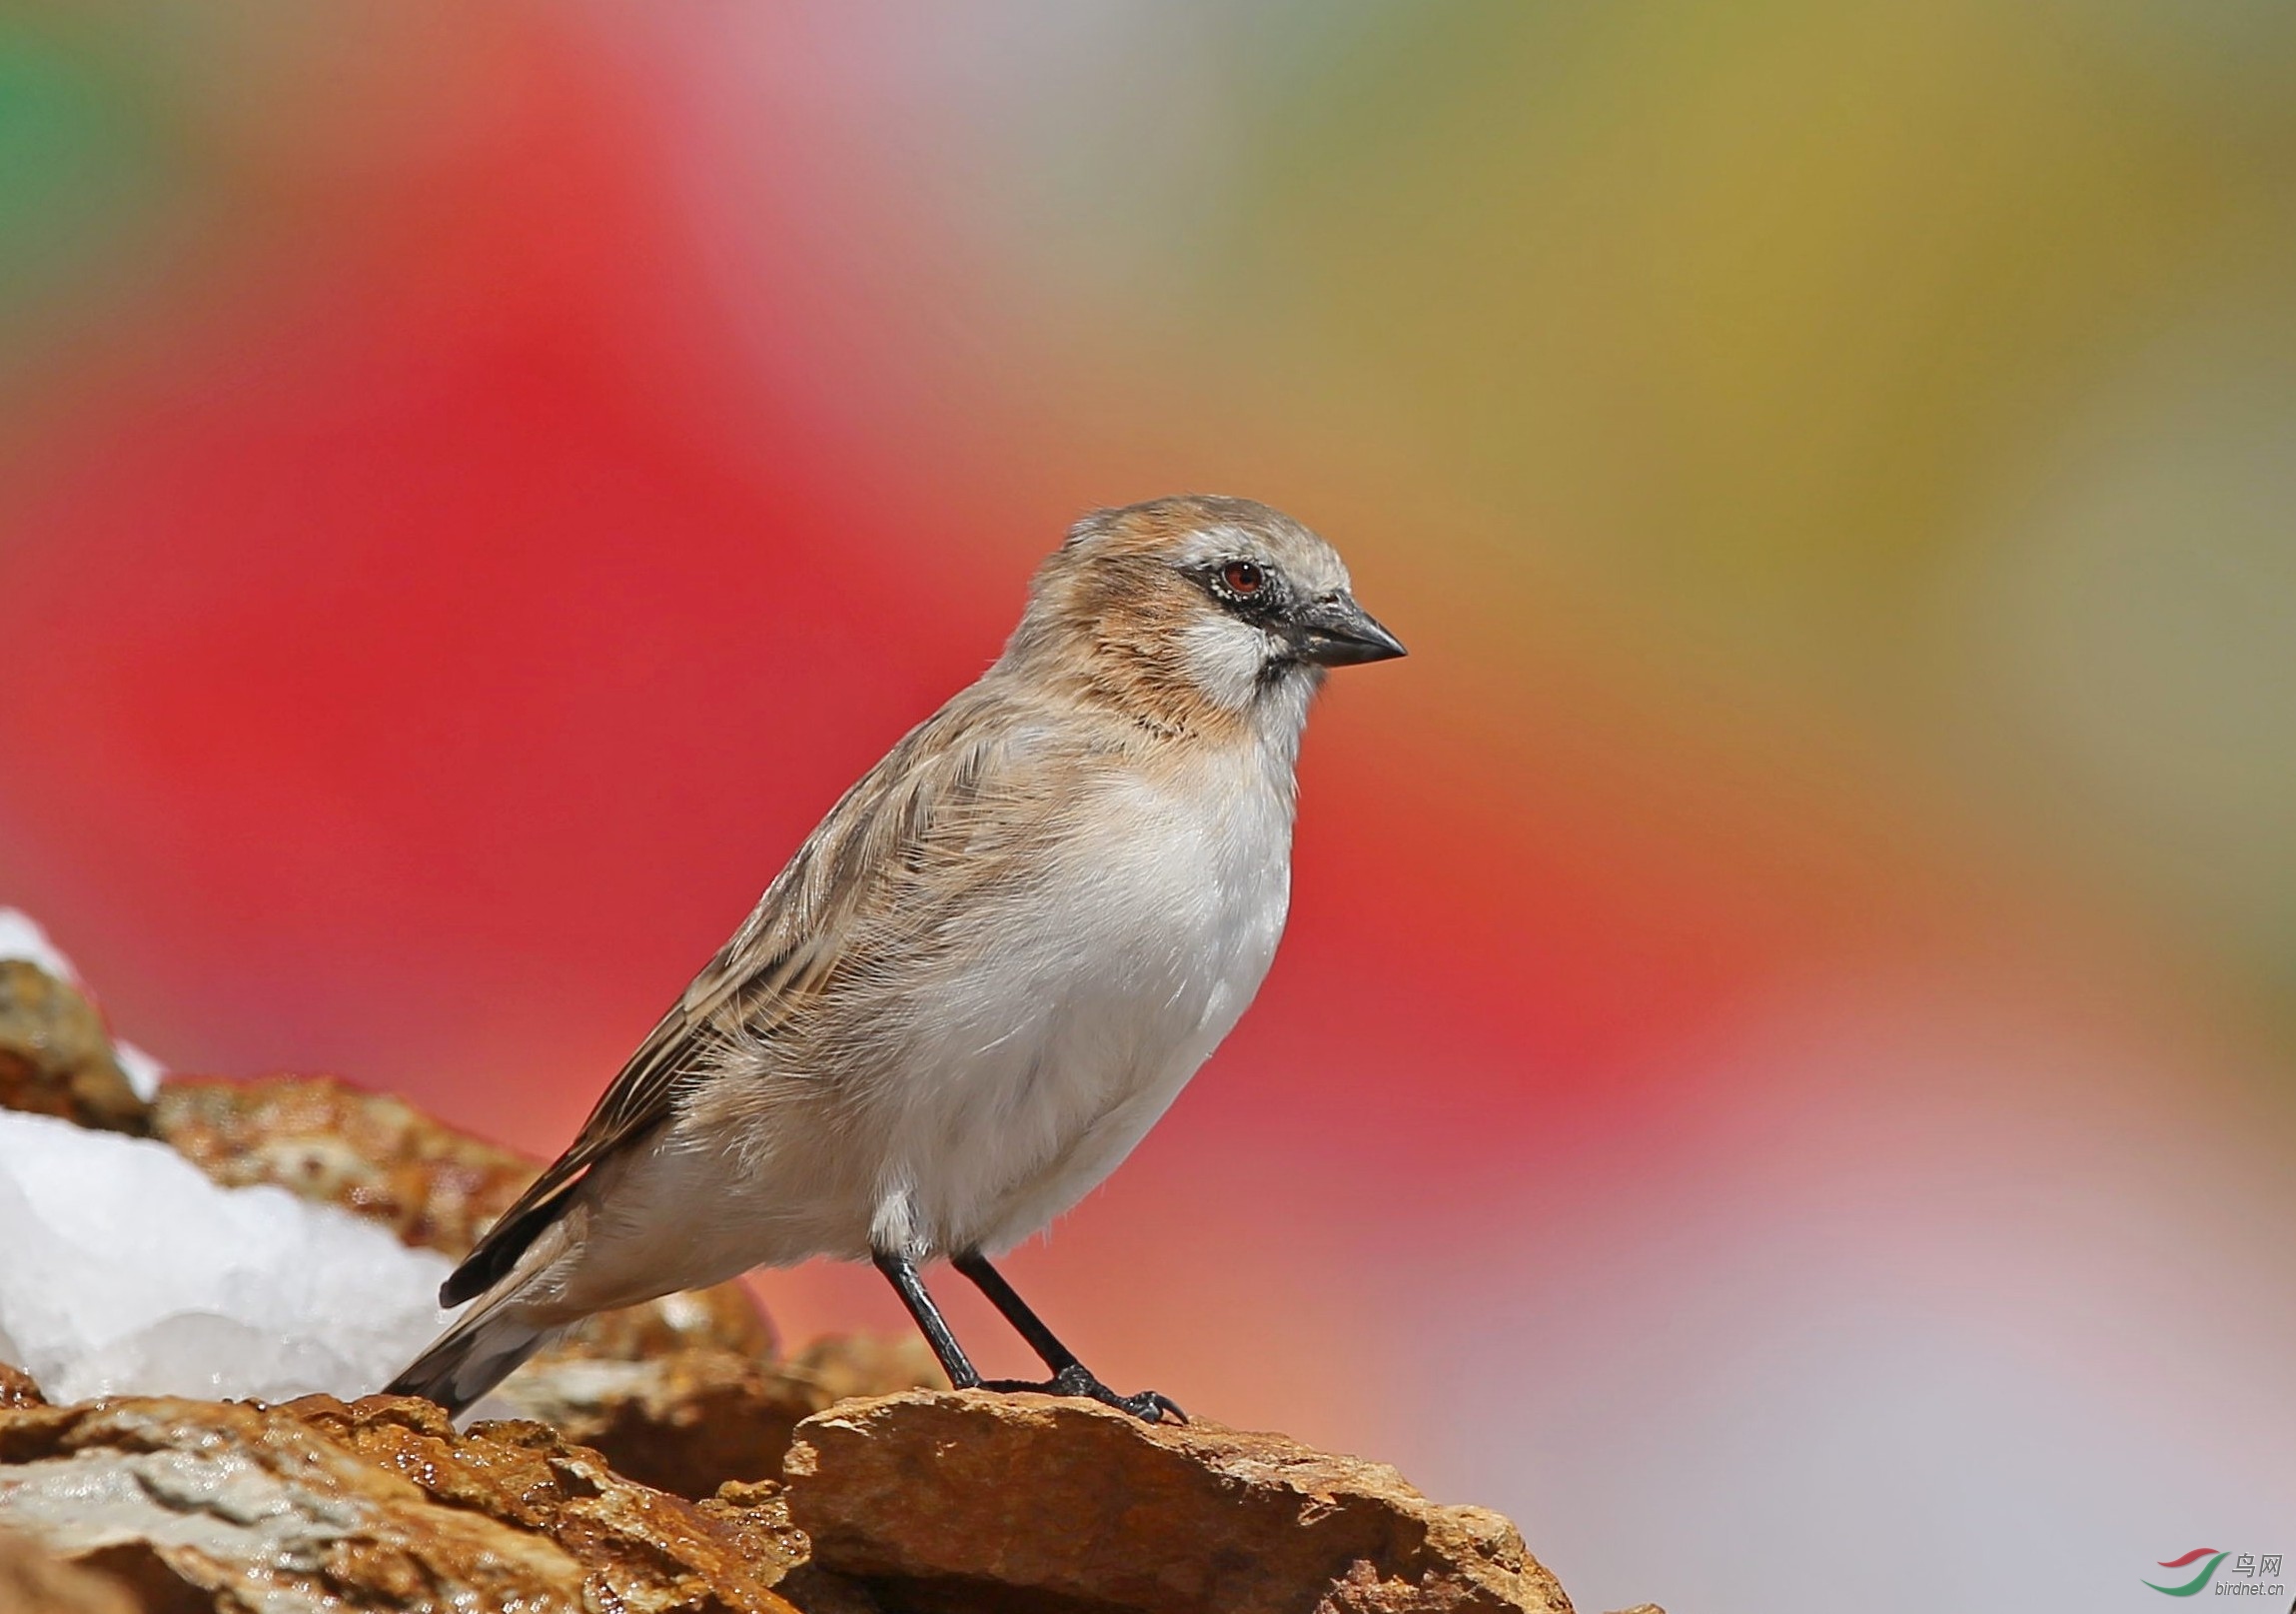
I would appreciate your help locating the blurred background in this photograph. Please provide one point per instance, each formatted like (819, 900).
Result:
(1781, 1077)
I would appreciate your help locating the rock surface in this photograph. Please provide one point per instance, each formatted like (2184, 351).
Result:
(34, 1580)
(725, 1317)
(55, 1056)
(938, 1503)
(690, 1419)
(638, 1547)
(378, 1504)
(970, 1501)
(17, 1389)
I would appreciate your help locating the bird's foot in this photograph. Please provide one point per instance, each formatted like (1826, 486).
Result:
(1149, 1406)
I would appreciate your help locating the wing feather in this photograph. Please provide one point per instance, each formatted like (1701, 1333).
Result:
(810, 926)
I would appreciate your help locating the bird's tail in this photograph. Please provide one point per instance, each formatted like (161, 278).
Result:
(475, 1356)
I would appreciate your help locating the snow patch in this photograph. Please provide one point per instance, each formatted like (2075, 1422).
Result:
(123, 1268)
(22, 938)
(144, 1072)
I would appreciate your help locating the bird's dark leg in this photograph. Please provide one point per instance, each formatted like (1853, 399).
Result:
(901, 1273)
(1069, 1376)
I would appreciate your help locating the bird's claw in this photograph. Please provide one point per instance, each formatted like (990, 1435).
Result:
(1149, 1406)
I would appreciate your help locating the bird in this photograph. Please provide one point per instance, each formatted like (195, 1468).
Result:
(983, 978)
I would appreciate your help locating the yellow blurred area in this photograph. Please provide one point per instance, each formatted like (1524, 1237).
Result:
(1918, 380)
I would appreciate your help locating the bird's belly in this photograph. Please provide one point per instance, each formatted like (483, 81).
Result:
(1079, 1022)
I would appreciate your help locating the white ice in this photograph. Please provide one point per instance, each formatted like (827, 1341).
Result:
(22, 938)
(124, 1269)
(144, 1072)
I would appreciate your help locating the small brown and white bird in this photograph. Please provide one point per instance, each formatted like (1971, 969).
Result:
(985, 974)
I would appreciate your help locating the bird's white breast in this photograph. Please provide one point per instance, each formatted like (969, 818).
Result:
(1087, 1008)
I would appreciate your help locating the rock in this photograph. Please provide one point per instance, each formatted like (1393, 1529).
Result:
(318, 1505)
(915, 1502)
(34, 1580)
(979, 1501)
(639, 1548)
(55, 1056)
(845, 1366)
(191, 1499)
(725, 1319)
(690, 1419)
(684, 1421)
(17, 1389)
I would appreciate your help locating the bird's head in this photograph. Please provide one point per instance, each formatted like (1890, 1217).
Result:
(1195, 611)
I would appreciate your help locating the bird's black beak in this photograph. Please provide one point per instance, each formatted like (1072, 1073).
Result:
(1339, 632)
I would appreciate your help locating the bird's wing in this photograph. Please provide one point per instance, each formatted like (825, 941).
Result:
(911, 817)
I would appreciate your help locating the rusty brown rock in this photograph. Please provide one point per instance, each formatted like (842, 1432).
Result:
(977, 1501)
(17, 1388)
(690, 1421)
(638, 1547)
(55, 1056)
(193, 1501)
(684, 1421)
(34, 1580)
(384, 1160)
(375, 1505)
(725, 1319)
(842, 1368)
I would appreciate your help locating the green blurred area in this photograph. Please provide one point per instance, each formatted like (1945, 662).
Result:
(1765, 299)
(95, 197)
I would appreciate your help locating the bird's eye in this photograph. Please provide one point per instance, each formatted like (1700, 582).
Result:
(1243, 579)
